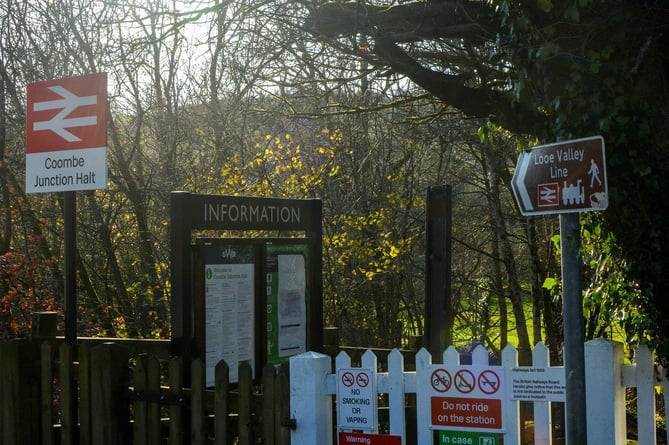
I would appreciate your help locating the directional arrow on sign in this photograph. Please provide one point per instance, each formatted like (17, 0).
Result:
(69, 103)
(519, 181)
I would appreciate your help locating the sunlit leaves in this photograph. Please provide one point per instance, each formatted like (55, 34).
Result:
(25, 289)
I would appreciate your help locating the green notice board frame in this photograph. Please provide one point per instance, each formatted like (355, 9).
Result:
(190, 212)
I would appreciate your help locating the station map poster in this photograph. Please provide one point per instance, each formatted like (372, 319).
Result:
(229, 292)
(287, 289)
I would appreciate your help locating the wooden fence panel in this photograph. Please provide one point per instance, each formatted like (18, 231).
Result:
(153, 386)
(269, 394)
(20, 405)
(46, 384)
(221, 403)
(197, 403)
(53, 392)
(68, 400)
(282, 423)
(140, 407)
(175, 380)
(245, 389)
(109, 395)
(84, 405)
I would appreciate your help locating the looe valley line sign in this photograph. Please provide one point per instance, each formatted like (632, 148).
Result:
(563, 177)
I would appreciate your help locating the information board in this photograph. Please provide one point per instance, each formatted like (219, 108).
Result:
(229, 294)
(537, 384)
(251, 301)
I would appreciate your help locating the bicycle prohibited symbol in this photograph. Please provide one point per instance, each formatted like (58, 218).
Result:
(441, 380)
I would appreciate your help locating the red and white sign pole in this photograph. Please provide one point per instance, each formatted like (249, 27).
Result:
(66, 150)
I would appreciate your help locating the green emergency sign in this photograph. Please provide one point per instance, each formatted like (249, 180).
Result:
(447, 437)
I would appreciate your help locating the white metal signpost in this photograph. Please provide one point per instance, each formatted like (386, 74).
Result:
(565, 178)
(66, 134)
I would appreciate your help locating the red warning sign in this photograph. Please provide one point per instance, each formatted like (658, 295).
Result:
(468, 396)
(472, 413)
(370, 439)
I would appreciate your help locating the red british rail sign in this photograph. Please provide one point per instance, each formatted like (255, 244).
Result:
(66, 134)
(563, 177)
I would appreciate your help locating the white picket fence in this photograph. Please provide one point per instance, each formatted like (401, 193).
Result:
(313, 387)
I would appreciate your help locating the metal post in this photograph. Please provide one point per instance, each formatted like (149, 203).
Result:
(70, 291)
(574, 330)
(438, 312)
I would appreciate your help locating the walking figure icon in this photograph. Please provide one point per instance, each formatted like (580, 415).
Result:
(594, 173)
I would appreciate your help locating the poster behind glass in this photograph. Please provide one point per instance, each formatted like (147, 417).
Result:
(287, 290)
(229, 308)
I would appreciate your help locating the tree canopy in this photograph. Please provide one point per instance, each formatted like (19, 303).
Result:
(364, 105)
(546, 70)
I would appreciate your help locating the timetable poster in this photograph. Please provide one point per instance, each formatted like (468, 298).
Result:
(229, 308)
(286, 281)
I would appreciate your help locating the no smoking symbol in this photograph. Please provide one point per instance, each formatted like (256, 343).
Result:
(347, 379)
(441, 380)
(362, 379)
(489, 382)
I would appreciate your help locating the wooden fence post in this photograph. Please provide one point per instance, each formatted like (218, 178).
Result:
(68, 403)
(20, 397)
(310, 404)
(176, 412)
(109, 395)
(605, 393)
(197, 412)
(47, 393)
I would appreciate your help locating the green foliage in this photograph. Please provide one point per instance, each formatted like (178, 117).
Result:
(367, 253)
(598, 67)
